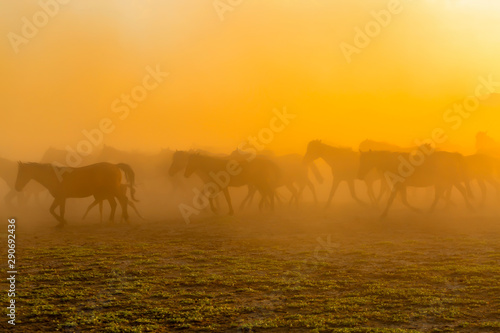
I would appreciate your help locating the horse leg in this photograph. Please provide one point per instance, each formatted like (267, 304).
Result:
(112, 204)
(52, 210)
(265, 196)
(228, 199)
(250, 194)
(438, 193)
(270, 194)
(294, 196)
(92, 205)
(212, 205)
(404, 199)
(394, 192)
(131, 204)
(335, 185)
(463, 191)
(352, 189)
(371, 194)
(62, 210)
(123, 199)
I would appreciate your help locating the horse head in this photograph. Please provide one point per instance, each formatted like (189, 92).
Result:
(314, 151)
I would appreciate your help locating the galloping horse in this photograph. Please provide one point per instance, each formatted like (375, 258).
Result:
(344, 163)
(261, 173)
(101, 180)
(442, 170)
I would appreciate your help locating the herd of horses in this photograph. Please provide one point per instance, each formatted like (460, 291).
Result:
(263, 173)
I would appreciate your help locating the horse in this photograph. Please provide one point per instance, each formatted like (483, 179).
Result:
(293, 173)
(344, 163)
(372, 145)
(442, 170)
(101, 180)
(484, 169)
(123, 188)
(261, 173)
(179, 162)
(8, 170)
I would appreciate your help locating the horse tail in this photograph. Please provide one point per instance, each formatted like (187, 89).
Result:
(130, 176)
(316, 172)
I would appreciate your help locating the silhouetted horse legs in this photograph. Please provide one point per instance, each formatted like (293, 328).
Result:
(248, 198)
(294, 197)
(335, 185)
(394, 192)
(370, 192)
(352, 189)
(463, 191)
(228, 200)
(112, 204)
(404, 199)
(61, 202)
(92, 205)
(438, 193)
(265, 195)
(123, 199)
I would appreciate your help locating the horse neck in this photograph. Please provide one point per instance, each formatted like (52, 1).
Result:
(47, 177)
(331, 154)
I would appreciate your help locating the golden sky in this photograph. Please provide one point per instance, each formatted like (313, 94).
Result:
(226, 76)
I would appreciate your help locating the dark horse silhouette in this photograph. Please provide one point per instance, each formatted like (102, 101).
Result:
(442, 170)
(260, 173)
(344, 163)
(101, 180)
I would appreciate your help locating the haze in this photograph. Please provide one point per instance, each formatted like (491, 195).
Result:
(226, 76)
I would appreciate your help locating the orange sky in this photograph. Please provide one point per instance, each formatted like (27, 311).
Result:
(225, 77)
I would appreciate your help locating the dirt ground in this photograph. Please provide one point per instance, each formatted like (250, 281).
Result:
(308, 269)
